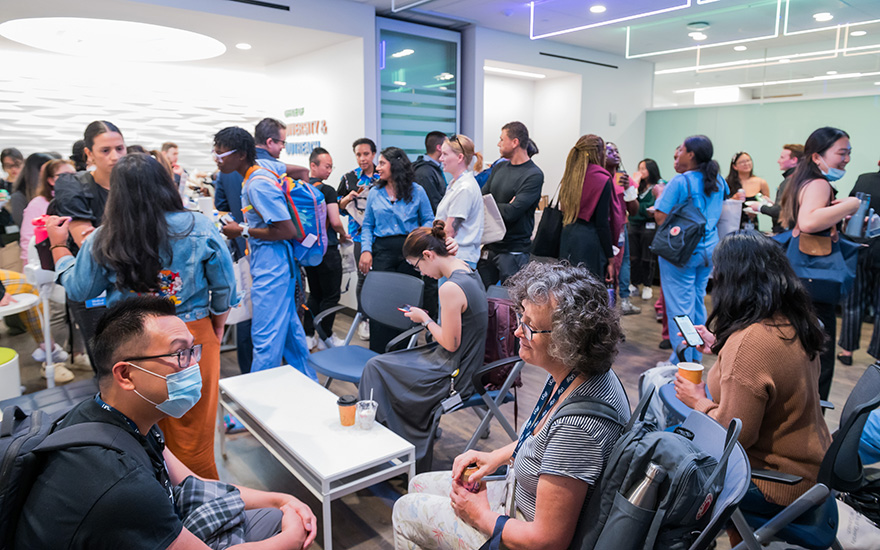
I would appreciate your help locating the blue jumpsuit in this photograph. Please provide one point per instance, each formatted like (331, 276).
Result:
(276, 330)
(684, 288)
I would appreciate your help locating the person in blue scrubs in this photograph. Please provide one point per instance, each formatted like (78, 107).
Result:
(276, 330)
(684, 288)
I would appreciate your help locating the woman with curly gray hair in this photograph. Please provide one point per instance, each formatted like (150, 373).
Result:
(568, 328)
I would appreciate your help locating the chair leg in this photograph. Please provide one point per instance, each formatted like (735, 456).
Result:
(327, 383)
(745, 531)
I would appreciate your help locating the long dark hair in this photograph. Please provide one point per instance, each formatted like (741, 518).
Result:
(702, 148)
(653, 174)
(819, 141)
(135, 235)
(29, 178)
(401, 173)
(733, 181)
(753, 281)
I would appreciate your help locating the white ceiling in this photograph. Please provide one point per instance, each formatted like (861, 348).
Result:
(813, 48)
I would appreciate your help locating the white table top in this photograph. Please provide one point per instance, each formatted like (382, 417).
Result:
(23, 302)
(304, 416)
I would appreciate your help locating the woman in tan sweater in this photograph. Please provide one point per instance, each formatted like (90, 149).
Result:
(768, 340)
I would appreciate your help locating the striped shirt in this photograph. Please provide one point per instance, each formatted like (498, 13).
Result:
(573, 446)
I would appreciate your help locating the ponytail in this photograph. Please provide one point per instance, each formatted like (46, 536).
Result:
(701, 147)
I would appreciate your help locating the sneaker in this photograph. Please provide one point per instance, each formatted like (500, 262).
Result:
(233, 426)
(62, 373)
(647, 293)
(311, 342)
(633, 289)
(334, 341)
(627, 308)
(364, 330)
(664, 364)
(665, 344)
(58, 354)
(319, 344)
(81, 362)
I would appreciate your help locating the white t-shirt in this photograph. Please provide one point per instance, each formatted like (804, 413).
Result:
(464, 200)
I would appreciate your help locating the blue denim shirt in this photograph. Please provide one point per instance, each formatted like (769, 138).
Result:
(384, 218)
(199, 277)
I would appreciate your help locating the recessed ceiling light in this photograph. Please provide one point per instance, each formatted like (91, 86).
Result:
(858, 33)
(740, 48)
(698, 35)
(403, 53)
(823, 17)
(399, 83)
(243, 46)
(597, 9)
(831, 72)
(877, 84)
(499, 70)
(111, 39)
(785, 60)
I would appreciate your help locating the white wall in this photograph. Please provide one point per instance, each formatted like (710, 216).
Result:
(506, 99)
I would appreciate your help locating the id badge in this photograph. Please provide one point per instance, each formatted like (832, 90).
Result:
(452, 402)
(100, 301)
(510, 492)
(651, 225)
(484, 255)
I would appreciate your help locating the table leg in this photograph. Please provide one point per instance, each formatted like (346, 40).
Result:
(328, 531)
(221, 428)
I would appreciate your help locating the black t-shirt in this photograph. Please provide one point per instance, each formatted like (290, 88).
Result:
(78, 196)
(522, 185)
(95, 498)
(330, 197)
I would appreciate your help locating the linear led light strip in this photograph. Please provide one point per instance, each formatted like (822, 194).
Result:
(395, 8)
(796, 58)
(846, 48)
(512, 72)
(533, 36)
(698, 46)
(785, 31)
(791, 81)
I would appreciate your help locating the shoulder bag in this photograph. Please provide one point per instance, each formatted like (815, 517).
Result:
(681, 232)
(549, 233)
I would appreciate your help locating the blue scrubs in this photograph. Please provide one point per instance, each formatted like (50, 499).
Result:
(684, 288)
(276, 330)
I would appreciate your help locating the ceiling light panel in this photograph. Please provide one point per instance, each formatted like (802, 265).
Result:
(739, 22)
(111, 39)
(555, 17)
(804, 17)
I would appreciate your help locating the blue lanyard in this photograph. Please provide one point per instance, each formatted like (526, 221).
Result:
(543, 407)
(109, 408)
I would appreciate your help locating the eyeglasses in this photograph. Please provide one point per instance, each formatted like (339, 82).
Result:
(529, 332)
(281, 141)
(9, 165)
(219, 157)
(185, 357)
(416, 265)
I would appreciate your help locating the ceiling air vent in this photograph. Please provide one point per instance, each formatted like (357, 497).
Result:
(579, 60)
(272, 5)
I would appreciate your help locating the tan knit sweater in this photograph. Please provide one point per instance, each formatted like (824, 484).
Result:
(764, 378)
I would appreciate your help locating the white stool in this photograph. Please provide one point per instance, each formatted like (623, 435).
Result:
(10, 377)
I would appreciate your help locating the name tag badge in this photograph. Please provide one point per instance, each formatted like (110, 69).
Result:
(309, 240)
(100, 301)
(651, 225)
(484, 255)
(10, 229)
(451, 402)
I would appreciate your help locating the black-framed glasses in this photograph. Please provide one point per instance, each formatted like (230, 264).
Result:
(281, 141)
(185, 357)
(416, 265)
(529, 332)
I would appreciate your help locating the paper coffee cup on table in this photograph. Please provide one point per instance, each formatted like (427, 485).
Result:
(691, 371)
(347, 407)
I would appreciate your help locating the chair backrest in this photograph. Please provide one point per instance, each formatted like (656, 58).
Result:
(841, 468)
(711, 436)
(497, 291)
(385, 291)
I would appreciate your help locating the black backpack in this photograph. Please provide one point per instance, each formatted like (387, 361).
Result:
(681, 232)
(694, 479)
(24, 440)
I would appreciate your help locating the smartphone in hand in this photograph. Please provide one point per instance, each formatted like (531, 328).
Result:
(686, 326)
(405, 308)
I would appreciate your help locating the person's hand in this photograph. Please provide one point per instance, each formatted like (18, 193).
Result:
(486, 463)
(756, 207)
(58, 228)
(417, 315)
(344, 238)
(295, 510)
(511, 200)
(366, 262)
(470, 507)
(623, 180)
(7, 299)
(852, 204)
(687, 392)
(231, 230)
(177, 169)
(451, 246)
(708, 339)
(87, 231)
(219, 332)
(609, 273)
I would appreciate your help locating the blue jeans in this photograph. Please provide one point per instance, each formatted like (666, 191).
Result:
(684, 289)
(624, 278)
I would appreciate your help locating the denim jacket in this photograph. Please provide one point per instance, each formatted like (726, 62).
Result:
(199, 278)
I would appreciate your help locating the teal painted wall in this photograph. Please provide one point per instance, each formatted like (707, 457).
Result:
(762, 129)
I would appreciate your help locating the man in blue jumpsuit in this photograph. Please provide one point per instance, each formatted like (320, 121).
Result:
(276, 330)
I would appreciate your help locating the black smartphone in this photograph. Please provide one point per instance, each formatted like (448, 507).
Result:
(686, 326)
(497, 475)
(405, 308)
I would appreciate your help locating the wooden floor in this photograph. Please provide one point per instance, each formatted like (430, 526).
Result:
(363, 520)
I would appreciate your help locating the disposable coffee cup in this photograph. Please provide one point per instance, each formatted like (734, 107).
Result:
(206, 206)
(691, 371)
(366, 414)
(347, 408)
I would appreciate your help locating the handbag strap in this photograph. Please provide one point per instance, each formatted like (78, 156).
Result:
(835, 236)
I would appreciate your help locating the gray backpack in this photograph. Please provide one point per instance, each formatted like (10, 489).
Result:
(694, 478)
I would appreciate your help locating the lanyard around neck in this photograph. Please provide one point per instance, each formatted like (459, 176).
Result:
(543, 407)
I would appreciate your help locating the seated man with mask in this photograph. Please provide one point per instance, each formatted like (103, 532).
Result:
(91, 497)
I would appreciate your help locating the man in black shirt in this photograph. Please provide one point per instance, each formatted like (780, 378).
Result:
(325, 279)
(516, 187)
(788, 159)
(427, 169)
(90, 497)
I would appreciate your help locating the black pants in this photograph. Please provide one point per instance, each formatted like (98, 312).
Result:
(865, 292)
(827, 314)
(387, 256)
(325, 282)
(244, 346)
(361, 276)
(640, 256)
(497, 267)
(87, 320)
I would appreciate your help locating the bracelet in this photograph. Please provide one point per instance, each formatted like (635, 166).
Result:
(54, 246)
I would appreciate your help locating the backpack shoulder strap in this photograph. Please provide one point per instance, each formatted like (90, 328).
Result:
(584, 405)
(98, 434)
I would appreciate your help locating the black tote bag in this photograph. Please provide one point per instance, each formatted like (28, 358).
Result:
(549, 233)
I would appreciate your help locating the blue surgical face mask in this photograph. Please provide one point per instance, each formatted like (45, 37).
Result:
(833, 174)
(184, 390)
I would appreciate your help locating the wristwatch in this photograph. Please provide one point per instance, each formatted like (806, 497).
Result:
(244, 231)
(428, 322)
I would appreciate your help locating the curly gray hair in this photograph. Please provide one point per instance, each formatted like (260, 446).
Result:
(586, 328)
